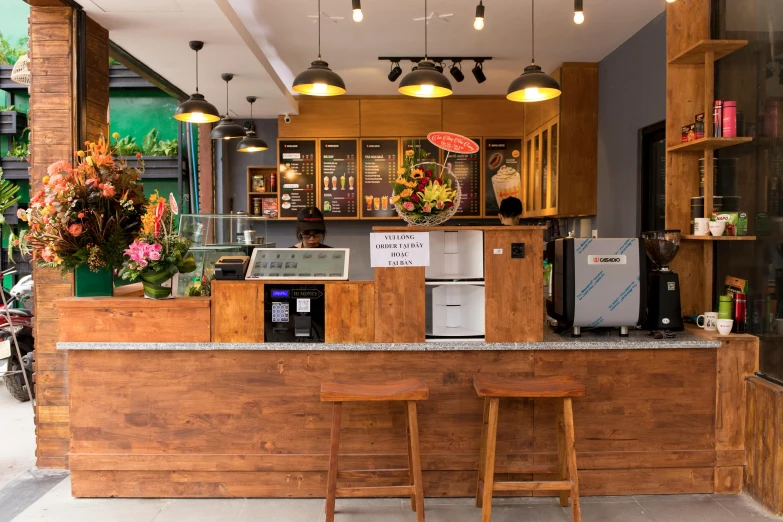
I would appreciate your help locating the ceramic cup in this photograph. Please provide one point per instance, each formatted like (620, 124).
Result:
(724, 326)
(717, 228)
(709, 321)
(701, 226)
(779, 326)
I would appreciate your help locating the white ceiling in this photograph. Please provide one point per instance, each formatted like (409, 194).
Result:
(265, 43)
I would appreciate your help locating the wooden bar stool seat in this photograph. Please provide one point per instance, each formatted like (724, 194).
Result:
(408, 391)
(492, 388)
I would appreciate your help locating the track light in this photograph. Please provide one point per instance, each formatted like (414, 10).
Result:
(478, 23)
(357, 10)
(478, 73)
(456, 71)
(579, 14)
(439, 68)
(395, 72)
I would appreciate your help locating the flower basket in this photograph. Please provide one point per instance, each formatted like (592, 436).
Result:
(161, 284)
(442, 187)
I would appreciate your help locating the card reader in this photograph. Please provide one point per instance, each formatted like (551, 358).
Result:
(231, 267)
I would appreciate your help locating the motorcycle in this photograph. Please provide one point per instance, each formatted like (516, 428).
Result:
(22, 325)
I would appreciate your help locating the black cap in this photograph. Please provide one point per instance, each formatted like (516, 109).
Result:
(310, 218)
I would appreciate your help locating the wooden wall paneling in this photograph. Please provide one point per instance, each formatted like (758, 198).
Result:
(399, 116)
(764, 443)
(350, 312)
(485, 116)
(237, 312)
(317, 118)
(205, 160)
(512, 287)
(693, 266)
(399, 305)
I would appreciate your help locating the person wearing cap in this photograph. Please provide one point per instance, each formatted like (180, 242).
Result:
(310, 228)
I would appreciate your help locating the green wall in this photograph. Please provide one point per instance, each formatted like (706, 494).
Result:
(135, 112)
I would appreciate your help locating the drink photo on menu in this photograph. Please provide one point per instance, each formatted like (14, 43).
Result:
(502, 172)
(338, 175)
(379, 170)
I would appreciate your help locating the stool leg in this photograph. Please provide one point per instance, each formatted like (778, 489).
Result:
(562, 459)
(568, 418)
(482, 455)
(413, 426)
(489, 466)
(411, 481)
(334, 450)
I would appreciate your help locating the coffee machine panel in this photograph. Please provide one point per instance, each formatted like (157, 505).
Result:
(597, 283)
(293, 313)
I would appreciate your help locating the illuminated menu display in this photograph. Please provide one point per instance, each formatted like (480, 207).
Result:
(296, 167)
(503, 172)
(339, 183)
(422, 144)
(467, 169)
(379, 170)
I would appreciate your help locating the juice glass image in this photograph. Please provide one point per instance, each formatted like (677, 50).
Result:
(368, 200)
(506, 183)
(377, 203)
(350, 182)
(342, 182)
(384, 203)
(334, 182)
(326, 182)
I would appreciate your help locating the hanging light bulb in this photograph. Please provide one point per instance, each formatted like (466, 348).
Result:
(579, 14)
(227, 129)
(478, 23)
(425, 81)
(251, 142)
(319, 79)
(533, 85)
(671, 1)
(196, 109)
(357, 10)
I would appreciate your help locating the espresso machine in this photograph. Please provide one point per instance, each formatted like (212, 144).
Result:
(663, 285)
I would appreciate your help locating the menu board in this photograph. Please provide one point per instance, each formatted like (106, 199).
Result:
(429, 148)
(503, 174)
(467, 169)
(338, 177)
(297, 176)
(379, 170)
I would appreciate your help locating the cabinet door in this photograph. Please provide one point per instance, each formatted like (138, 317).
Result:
(544, 189)
(529, 174)
(537, 172)
(554, 164)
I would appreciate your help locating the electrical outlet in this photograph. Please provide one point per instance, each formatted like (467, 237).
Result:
(595, 233)
(517, 250)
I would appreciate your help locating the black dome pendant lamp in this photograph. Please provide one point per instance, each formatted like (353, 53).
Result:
(426, 81)
(319, 79)
(251, 142)
(533, 85)
(227, 129)
(196, 109)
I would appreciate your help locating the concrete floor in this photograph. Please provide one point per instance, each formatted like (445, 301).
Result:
(17, 433)
(58, 505)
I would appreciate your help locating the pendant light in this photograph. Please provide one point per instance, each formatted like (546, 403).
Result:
(579, 12)
(425, 81)
(196, 109)
(478, 23)
(533, 85)
(251, 142)
(319, 79)
(227, 129)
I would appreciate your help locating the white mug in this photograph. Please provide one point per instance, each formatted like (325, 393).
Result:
(709, 321)
(724, 326)
(717, 228)
(701, 226)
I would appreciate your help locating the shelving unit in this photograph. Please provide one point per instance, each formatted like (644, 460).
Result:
(266, 173)
(697, 54)
(709, 143)
(719, 238)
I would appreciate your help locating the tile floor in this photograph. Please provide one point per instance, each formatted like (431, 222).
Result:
(58, 505)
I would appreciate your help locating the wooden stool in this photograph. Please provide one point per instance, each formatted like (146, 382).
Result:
(492, 389)
(409, 391)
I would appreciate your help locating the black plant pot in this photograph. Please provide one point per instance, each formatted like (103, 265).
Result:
(12, 123)
(14, 168)
(6, 83)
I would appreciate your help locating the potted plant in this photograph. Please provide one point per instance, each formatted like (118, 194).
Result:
(11, 122)
(423, 193)
(158, 157)
(159, 253)
(9, 54)
(85, 217)
(14, 163)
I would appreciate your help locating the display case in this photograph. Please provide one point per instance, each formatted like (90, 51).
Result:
(190, 284)
(212, 230)
(541, 149)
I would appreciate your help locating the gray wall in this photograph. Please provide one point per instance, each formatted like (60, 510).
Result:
(236, 181)
(631, 95)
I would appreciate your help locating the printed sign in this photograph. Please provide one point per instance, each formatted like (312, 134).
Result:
(503, 172)
(453, 142)
(467, 169)
(379, 170)
(605, 260)
(339, 180)
(296, 167)
(399, 249)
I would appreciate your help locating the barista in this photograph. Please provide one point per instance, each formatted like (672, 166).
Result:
(310, 228)
(510, 211)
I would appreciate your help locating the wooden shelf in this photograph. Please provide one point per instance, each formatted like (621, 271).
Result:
(720, 238)
(263, 193)
(703, 144)
(697, 54)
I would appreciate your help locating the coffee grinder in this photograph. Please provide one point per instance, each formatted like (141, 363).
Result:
(663, 285)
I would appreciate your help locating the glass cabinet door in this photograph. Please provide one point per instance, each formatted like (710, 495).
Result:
(544, 164)
(529, 175)
(536, 172)
(553, 165)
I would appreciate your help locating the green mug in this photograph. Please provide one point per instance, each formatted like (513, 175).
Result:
(725, 307)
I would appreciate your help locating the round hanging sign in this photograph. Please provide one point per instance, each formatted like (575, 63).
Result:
(453, 142)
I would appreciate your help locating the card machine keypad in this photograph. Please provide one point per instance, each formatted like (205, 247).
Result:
(280, 312)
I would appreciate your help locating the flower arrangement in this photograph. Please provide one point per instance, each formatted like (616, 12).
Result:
(86, 214)
(159, 253)
(423, 193)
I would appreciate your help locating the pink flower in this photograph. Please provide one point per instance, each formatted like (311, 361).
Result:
(426, 208)
(21, 214)
(107, 190)
(58, 166)
(173, 204)
(154, 255)
(408, 206)
(47, 255)
(75, 230)
(440, 205)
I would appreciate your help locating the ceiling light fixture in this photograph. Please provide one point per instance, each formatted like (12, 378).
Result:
(319, 79)
(478, 23)
(533, 85)
(478, 72)
(579, 12)
(227, 129)
(196, 109)
(456, 71)
(671, 1)
(396, 72)
(251, 142)
(425, 81)
(357, 10)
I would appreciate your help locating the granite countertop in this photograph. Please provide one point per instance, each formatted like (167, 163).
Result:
(600, 340)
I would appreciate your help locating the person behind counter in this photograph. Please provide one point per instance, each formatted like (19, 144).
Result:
(310, 228)
(510, 211)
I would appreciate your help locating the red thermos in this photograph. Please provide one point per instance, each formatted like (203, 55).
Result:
(740, 313)
(729, 129)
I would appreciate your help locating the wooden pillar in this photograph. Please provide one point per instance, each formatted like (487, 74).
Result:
(56, 120)
(205, 172)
